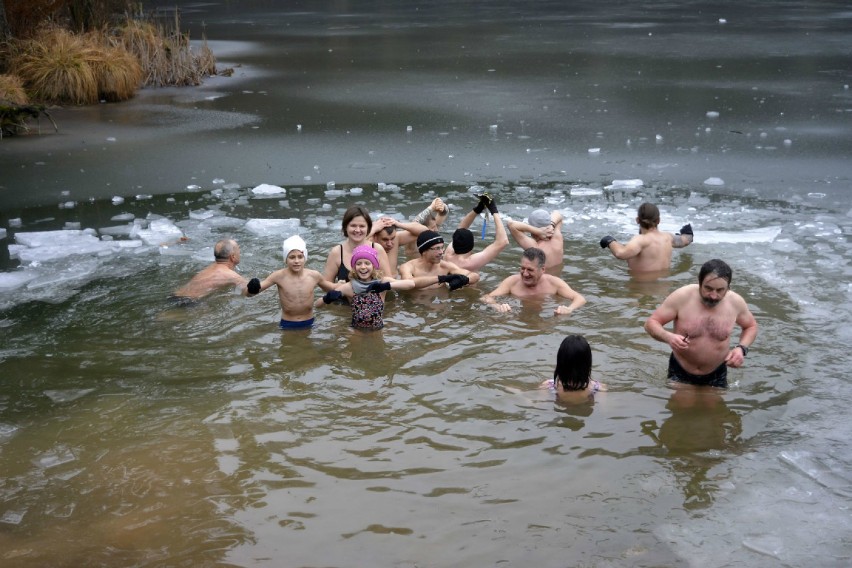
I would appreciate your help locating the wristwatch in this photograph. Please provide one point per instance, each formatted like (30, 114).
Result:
(743, 347)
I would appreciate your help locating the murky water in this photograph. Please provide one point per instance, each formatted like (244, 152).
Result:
(132, 434)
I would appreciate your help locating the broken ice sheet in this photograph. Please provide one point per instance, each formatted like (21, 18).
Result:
(58, 456)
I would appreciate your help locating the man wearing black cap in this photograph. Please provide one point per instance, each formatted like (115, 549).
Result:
(460, 252)
(430, 244)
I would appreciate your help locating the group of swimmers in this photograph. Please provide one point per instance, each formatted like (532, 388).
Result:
(364, 266)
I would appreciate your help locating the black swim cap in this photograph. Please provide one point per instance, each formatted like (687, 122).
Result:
(428, 239)
(462, 241)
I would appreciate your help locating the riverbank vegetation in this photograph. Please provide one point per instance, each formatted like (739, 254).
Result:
(80, 52)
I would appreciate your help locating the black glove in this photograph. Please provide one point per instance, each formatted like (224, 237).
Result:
(686, 230)
(379, 287)
(492, 206)
(253, 286)
(332, 296)
(456, 281)
(484, 201)
(605, 242)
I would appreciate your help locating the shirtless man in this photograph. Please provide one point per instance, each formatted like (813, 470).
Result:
(387, 232)
(430, 218)
(295, 286)
(532, 282)
(545, 233)
(651, 249)
(431, 263)
(220, 274)
(704, 316)
(460, 252)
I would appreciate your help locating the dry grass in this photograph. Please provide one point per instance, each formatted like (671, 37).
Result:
(12, 90)
(57, 66)
(167, 57)
(54, 67)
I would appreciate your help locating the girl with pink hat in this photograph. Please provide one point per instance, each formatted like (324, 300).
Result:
(366, 288)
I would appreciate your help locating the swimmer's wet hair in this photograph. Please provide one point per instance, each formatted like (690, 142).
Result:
(224, 249)
(535, 254)
(573, 363)
(718, 267)
(649, 216)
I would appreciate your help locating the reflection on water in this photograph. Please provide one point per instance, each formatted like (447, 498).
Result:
(698, 436)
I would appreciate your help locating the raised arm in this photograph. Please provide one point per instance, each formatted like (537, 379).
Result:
(519, 233)
(684, 237)
(623, 252)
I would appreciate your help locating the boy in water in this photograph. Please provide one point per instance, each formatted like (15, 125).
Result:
(295, 286)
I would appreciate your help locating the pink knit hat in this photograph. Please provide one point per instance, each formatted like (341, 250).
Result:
(365, 251)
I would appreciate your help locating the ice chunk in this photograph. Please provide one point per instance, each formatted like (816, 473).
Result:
(201, 214)
(7, 430)
(761, 235)
(159, 231)
(626, 184)
(117, 200)
(52, 245)
(14, 280)
(76, 274)
(268, 227)
(714, 181)
(594, 150)
(16, 222)
(117, 230)
(356, 190)
(12, 517)
(335, 193)
(66, 395)
(2, 233)
(330, 185)
(712, 114)
(60, 455)
(267, 189)
(585, 191)
(123, 217)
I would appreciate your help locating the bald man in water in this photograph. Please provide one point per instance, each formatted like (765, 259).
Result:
(221, 274)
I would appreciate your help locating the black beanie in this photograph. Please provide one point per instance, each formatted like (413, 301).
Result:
(462, 241)
(428, 239)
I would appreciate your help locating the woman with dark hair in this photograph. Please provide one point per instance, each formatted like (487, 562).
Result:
(572, 378)
(356, 228)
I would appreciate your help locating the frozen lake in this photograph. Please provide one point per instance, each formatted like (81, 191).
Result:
(132, 434)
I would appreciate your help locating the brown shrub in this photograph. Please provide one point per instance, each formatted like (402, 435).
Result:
(12, 90)
(54, 67)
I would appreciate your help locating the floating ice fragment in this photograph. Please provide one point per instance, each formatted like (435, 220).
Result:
(14, 280)
(712, 114)
(117, 200)
(231, 185)
(123, 217)
(7, 430)
(16, 222)
(117, 230)
(335, 193)
(723, 21)
(2, 233)
(67, 205)
(626, 184)
(298, 128)
(193, 187)
(585, 191)
(816, 195)
(72, 225)
(111, 139)
(201, 214)
(218, 181)
(594, 150)
(159, 231)
(714, 181)
(658, 137)
(143, 196)
(788, 142)
(267, 189)
(269, 227)
(408, 128)
(13, 517)
(330, 185)
(493, 128)
(66, 395)
(59, 456)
